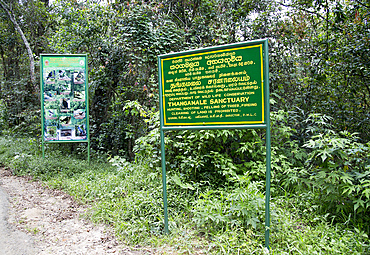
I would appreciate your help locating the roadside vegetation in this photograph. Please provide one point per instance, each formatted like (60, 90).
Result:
(220, 211)
(320, 105)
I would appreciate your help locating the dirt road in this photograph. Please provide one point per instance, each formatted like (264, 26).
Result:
(38, 220)
(12, 241)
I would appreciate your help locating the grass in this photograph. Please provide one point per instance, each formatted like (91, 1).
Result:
(128, 197)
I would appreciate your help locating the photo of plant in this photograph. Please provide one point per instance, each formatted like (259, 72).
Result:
(51, 104)
(51, 133)
(77, 105)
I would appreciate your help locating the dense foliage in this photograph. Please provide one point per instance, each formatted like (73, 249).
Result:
(320, 100)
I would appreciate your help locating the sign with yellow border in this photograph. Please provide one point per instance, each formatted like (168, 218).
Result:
(223, 87)
(214, 86)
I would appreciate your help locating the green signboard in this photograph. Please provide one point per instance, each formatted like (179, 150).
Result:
(64, 98)
(216, 86)
(220, 87)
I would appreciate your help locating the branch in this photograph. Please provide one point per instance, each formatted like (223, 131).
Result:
(362, 4)
(29, 51)
(311, 12)
(302, 9)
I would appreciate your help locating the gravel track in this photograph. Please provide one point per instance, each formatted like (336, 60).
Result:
(38, 220)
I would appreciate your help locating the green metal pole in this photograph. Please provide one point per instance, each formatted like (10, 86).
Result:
(87, 108)
(163, 151)
(164, 183)
(42, 106)
(268, 149)
(88, 151)
(43, 149)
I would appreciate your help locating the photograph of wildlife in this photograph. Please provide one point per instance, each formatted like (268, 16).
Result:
(65, 120)
(79, 114)
(51, 114)
(78, 95)
(65, 104)
(78, 77)
(51, 132)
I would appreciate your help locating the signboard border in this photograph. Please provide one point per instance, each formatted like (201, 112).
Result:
(162, 58)
(203, 51)
(87, 140)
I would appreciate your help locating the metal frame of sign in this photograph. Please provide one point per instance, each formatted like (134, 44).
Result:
(173, 88)
(63, 82)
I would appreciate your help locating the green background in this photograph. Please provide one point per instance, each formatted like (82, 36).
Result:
(206, 114)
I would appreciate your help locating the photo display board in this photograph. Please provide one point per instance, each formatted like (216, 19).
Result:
(64, 97)
(213, 86)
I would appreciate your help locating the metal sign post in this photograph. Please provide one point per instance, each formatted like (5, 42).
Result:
(64, 100)
(223, 87)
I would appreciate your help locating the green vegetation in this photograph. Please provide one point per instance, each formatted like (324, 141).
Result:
(320, 101)
(219, 213)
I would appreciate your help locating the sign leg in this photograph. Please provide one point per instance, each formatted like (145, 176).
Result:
(268, 149)
(43, 149)
(268, 181)
(164, 183)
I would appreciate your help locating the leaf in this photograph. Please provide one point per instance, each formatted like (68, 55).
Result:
(346, 178)
(366, 192)
(177, 180)
(358, 203)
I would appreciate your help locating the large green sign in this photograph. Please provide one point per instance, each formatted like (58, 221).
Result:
(64, 97)
(216, 86)
(221, 87)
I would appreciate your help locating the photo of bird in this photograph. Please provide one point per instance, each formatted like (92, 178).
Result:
(78, 95)
(50, 79)
(78, 78)
(79, 114)
(80, 131)
(66, 132)
(65, 104)
(63, 76)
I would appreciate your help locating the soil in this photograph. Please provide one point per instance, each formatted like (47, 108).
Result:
(37, 220)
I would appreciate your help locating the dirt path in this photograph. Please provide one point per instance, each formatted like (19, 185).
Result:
(12, 241)
(44, 221)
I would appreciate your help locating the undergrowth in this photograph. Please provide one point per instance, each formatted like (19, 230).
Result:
(202, 220)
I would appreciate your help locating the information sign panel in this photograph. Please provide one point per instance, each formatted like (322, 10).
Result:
(223, 87)
(64, 97)
(216, 86)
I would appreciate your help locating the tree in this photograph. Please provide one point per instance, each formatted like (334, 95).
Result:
(18, 91)
(12, 18)
(319, 61)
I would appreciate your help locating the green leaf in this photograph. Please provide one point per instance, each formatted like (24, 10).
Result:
(178, 181)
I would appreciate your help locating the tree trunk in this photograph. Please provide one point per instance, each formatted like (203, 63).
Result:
(18, 28)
